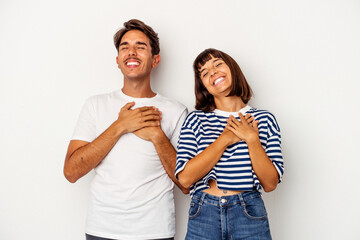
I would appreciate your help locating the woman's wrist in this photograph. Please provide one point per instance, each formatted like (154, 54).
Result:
(252, 139)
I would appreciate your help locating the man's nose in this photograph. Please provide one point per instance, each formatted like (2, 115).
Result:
(132, 51)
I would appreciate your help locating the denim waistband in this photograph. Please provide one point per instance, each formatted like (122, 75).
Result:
(203, 197)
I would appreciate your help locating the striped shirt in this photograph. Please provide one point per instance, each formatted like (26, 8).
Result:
(234, 170)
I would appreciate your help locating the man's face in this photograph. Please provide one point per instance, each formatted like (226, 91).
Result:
(135, 59)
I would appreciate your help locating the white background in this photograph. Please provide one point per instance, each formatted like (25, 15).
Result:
(300, 57)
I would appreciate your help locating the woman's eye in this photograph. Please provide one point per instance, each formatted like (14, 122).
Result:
(204, 75)
(218, 64)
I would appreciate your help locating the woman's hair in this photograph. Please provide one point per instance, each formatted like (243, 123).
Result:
(239, 86)
(135, 24)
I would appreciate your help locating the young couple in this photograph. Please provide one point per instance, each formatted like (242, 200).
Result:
(227, 151)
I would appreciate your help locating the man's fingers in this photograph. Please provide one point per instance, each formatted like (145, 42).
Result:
(152, 117)
(146, 108)
(151, 124)
(151, 112)
(128, 106)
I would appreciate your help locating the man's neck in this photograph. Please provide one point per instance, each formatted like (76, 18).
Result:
(138, 89)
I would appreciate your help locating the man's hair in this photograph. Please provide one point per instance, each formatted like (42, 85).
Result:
(239, 86)
(135, 24)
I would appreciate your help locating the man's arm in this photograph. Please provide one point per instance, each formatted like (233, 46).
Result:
(83, 156)
(164, 149)
(167, 155)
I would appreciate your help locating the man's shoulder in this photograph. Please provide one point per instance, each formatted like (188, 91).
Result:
(171, 103)
(103, 97)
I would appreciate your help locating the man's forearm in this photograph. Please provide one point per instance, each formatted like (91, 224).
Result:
(82, 157)
(167, 155)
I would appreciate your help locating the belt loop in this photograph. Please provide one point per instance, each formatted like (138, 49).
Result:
(241, 199)
(202, 197)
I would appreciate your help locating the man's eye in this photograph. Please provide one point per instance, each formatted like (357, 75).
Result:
(123, 48)
(142, 48)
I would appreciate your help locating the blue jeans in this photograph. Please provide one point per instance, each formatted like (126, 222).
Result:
(91, 237)
(240, 216)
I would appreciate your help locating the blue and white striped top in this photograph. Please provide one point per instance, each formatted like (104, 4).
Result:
(233, 171)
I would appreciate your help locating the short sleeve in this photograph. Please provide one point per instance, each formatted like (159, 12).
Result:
(187, 147)
(273, 145)
(85, 129)
(175, 136)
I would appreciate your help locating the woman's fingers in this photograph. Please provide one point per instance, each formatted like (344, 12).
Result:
(242, 118)
(249, 119)
(255, 125)
(232, 121)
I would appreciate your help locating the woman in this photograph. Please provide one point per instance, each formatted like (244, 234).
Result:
(226, 158)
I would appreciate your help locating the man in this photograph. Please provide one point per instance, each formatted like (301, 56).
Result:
(130, 150)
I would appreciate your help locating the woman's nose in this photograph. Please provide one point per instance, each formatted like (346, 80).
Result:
(213, 72)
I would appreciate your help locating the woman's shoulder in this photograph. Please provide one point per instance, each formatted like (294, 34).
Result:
(197, 117)
(199, 114)
(261, 113)
(265, 116)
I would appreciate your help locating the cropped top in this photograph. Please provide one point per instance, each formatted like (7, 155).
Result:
(234, 170)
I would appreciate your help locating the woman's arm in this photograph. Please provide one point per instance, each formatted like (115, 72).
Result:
(261, 164)
(198, 166)
(202, 163)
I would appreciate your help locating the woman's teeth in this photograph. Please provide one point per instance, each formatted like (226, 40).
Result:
(218, 80)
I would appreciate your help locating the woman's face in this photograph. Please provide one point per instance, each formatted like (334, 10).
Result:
(215, 74)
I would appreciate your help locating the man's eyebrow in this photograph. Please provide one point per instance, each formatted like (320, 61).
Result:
(141, 43)
(138, 43)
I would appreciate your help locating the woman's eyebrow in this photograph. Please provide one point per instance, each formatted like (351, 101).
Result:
(202, 70)
(215, 60)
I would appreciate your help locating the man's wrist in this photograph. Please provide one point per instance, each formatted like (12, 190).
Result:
(158, 137)
(118, 128)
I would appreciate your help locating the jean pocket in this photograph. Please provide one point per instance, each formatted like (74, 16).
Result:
(254, 208)
(194, 209)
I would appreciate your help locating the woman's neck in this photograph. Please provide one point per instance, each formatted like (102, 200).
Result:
(229, 104)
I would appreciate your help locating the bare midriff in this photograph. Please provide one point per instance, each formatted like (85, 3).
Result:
(214, 190)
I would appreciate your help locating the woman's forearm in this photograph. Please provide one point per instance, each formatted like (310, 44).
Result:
(202, 163)
(262, 166)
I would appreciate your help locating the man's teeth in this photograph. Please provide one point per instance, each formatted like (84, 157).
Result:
(132, 64)
(218, 80)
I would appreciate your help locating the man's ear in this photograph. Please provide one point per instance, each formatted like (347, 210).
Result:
(156, 60)
(117, 61)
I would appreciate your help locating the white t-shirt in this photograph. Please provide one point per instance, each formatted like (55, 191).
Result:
(131, 194)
